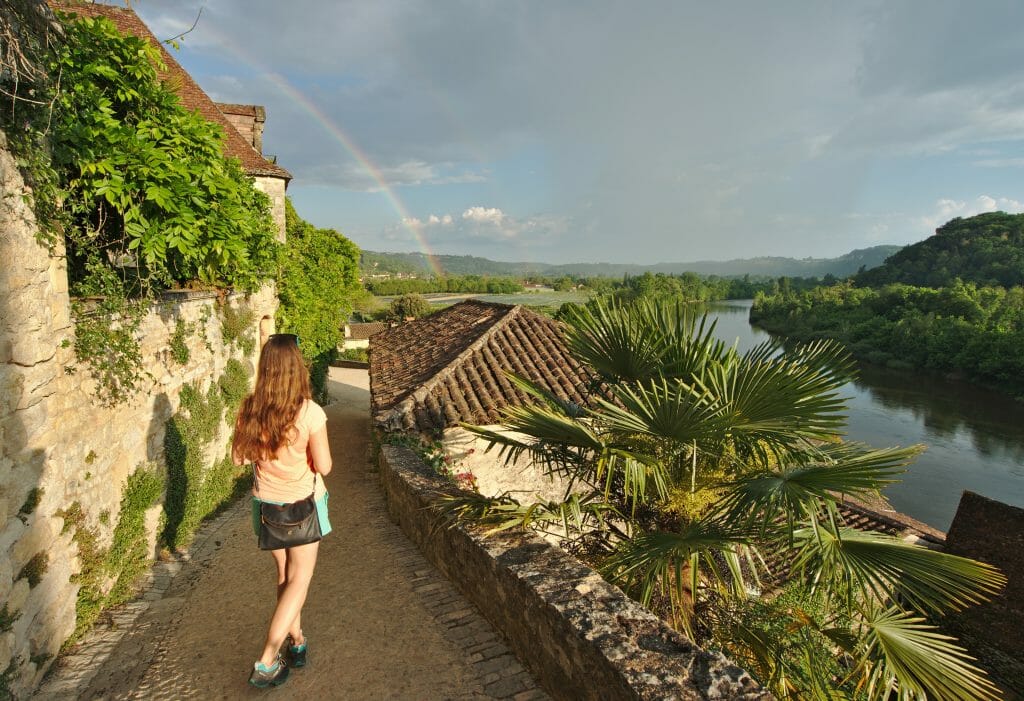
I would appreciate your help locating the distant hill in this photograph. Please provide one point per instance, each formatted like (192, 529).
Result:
(843, 266)
(987, 249)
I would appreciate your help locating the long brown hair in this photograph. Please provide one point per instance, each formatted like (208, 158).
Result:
(266, 419)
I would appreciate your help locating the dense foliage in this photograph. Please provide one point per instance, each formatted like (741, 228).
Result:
(453, 283)
(318, 280)
(707, 478)
(987, 249)
(690, 287)
(135, 187)
(144, 183)
(409, 306)
(963, 328)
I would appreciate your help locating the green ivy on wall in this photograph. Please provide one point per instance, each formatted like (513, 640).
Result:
(196, 490)
(124, 561)
(316, 285)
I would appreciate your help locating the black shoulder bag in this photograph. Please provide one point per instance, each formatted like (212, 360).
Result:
(288, 525)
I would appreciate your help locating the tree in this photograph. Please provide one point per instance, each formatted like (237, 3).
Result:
(318, 283)
(696, 465)
(410, 306)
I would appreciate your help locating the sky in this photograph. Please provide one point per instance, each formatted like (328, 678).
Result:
(632, 132)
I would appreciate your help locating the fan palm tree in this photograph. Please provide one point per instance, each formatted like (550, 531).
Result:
(676, 414)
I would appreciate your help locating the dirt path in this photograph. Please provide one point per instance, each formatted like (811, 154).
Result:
(382, 624)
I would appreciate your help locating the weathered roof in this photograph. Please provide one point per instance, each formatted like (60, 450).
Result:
(365, 330)
(247, 110)
(883, 519)
(192, 96)
(432, 373)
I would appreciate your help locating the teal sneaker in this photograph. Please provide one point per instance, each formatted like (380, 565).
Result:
(297, 654)
(274, 675)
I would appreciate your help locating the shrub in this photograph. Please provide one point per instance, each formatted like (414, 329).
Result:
(317, 285)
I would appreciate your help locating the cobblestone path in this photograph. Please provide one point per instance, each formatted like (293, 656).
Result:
(381, 622)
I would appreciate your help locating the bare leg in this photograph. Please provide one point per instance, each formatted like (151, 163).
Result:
(300, 563)
(283, 563)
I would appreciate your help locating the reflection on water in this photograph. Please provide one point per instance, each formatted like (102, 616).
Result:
(974, 437)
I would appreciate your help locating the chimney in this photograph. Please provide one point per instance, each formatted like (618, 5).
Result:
(248, 120)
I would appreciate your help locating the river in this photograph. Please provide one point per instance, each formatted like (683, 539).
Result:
(974, 437)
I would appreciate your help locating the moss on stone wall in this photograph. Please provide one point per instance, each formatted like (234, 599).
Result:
(108, 576)
(35, 569)
(236, 327)
(195, 489)
(179, 341)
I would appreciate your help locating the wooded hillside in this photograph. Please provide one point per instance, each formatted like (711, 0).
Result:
(987, 249)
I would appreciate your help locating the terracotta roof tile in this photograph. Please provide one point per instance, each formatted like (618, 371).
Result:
(192, 96)
(449, 367)
(363, 331)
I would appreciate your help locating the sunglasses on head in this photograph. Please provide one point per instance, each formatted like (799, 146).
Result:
(287, 336)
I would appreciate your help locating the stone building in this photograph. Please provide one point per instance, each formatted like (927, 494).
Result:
(357, 335)
(428, 376)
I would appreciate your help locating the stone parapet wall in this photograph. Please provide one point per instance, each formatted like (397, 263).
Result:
(581, 637)
(59, 446)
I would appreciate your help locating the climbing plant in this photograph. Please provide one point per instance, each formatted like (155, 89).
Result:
(195, 489)
(317, 283)
(146, 186)
(135, 187)
(108, 575)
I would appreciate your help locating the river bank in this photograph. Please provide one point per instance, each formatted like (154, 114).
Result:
(974, 437)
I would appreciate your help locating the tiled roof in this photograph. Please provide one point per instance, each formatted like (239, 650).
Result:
(363, 331)
(432, 373)
(192, 96)
(882, 519)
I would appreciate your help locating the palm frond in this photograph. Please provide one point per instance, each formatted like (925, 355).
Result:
(504, 512)
(885, 568)
(777, 401)
(672, 562)
(665, 410)
(690, 341)
(796, 491)
(902, 653)
(608, 338)
(550, 399)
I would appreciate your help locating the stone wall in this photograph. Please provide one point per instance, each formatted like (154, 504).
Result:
(58, 446)
(993, 532)
(581, 637)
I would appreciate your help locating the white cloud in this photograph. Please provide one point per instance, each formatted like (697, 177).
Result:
(486, 231)
(489, 215)
(946, 209)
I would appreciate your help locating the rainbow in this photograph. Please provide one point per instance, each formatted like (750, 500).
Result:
(338, 134)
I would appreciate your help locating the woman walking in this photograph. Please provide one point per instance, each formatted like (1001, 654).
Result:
(278, 426)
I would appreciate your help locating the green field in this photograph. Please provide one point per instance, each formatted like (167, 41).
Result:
(535, 298)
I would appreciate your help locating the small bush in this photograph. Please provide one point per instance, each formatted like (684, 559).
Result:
(179, 342)
(236, 327)
(35, 495)
(35, 569)
(359, 354)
